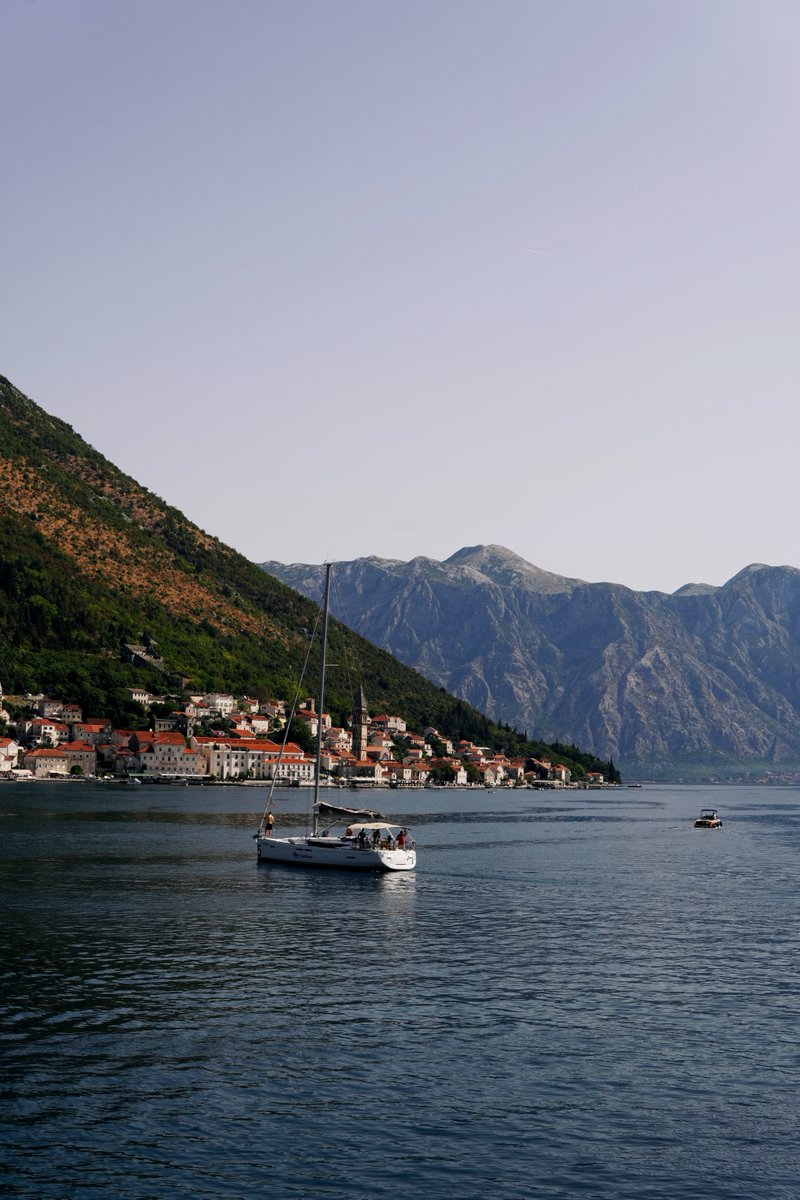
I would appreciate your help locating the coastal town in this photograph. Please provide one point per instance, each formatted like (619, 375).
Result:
(218, 737)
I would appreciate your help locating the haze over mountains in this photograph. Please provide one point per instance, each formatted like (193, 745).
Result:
(701, 681)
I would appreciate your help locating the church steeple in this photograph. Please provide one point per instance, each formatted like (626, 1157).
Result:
(360, 723)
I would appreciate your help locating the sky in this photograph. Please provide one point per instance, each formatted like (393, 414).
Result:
(347, 277)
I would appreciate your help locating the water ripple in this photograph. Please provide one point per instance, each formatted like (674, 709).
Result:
(569, 998)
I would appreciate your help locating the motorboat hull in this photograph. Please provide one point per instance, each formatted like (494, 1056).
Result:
(341, 853)
(709, 819)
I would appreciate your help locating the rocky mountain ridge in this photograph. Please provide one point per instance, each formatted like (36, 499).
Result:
(705, 677)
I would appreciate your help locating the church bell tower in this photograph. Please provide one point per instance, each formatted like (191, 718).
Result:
(360, 723)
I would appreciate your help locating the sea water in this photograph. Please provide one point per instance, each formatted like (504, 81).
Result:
(575, 994)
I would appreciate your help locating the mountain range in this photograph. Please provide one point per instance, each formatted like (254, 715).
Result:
(703, 681)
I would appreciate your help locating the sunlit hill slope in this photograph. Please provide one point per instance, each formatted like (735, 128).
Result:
(90, 560)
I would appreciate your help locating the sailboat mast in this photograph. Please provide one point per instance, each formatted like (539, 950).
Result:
(321, 692)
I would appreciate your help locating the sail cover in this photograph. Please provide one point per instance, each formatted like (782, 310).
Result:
(357, 814)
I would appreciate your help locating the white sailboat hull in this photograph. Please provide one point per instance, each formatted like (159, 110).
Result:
(342, 853)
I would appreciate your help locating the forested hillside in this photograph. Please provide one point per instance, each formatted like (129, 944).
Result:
(90, 561)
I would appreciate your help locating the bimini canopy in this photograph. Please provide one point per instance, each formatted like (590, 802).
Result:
(349, 814)
(374, 825)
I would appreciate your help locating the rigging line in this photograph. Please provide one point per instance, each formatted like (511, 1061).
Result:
(349, 654)
(288, 724)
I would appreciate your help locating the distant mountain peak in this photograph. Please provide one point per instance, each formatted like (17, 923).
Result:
(756, 567)
(750, 569)
(501, 565)
(695, 589)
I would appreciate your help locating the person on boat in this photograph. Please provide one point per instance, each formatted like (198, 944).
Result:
(401, 840)
(270, 824)
(362, 839)
(376, 837)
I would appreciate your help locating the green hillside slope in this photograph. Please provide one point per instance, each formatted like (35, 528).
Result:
(90, 561)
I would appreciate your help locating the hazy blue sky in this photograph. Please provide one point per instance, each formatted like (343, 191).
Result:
(353, 278)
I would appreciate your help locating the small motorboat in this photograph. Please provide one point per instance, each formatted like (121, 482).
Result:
(709, 819)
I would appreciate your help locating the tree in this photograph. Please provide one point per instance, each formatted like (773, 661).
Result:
(213, 726)
(300, 733)
(443, 772)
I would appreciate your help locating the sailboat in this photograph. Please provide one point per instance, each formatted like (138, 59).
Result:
(368, 843)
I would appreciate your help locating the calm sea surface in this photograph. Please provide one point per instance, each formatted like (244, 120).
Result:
(574, 995)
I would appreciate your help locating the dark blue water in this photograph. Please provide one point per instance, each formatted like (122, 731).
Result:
(575, 995)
